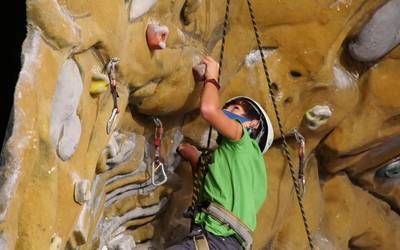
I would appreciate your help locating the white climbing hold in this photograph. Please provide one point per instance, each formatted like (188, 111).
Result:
(139, 7)
(199, 72)
(254, 56)
(82, 191)
(65, 127)
(122, 242)
(317, 116)
(344, 79)
(55, 243)
(123, 146)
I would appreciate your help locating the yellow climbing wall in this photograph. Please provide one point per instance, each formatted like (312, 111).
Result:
(67, 182)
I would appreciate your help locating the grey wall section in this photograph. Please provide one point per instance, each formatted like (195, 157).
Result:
(379, 35)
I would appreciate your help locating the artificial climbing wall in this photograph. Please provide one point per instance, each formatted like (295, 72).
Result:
(77, 166)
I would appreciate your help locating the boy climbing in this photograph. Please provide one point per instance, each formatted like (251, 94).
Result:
(235, 186)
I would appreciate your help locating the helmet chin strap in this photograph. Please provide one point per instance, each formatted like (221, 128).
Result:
(252, 129)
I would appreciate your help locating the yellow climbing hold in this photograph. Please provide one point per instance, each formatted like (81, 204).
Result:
(98, 86)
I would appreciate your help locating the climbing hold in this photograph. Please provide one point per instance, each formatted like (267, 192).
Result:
(156, 36)
(124, 145)
(82, 226)
(99, 82)
(55, 243)
(199, 72)
(98, 86)
(139, 7)
(390, 170)
(342, 78)
(379, 35)
(188, 10)
(82, 191)
(65, 128)
(122, 241)
(254, 56)
(317, 116)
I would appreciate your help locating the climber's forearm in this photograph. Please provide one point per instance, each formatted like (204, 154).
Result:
(209, 102)
(189, 153)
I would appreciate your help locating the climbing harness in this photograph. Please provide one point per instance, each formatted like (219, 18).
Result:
(218, 212)
(285, 146)
(226, 218)
(157, 165)
(301, 152)
(111, 72)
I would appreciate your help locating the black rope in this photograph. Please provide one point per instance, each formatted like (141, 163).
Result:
(206, 156)
(284, 143)
(221, 56)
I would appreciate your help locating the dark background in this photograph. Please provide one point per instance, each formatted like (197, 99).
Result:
(12, 38)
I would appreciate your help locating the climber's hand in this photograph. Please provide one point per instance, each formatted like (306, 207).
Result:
(212, 68)
(189, 153)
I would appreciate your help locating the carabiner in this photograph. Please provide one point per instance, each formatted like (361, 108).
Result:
(112, 120)
(157, 121)
(154, 170)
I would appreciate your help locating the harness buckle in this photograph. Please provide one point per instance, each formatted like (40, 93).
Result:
(201, 242)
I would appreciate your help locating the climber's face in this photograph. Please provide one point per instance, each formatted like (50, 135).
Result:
(239, 110)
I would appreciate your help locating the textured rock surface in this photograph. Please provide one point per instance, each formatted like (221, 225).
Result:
(66, 183)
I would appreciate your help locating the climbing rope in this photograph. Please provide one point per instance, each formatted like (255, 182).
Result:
(206, 155)
(285, 146)
(206, 158)
(221, 56)
(157, 165)
(296, 181)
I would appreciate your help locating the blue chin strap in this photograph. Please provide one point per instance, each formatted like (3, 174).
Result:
(234, 116)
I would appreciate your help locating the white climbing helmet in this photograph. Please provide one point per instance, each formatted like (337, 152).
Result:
(265, 135)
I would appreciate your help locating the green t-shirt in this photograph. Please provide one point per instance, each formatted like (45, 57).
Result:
(237, 180)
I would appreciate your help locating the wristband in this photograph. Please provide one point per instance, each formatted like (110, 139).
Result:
(213, 81)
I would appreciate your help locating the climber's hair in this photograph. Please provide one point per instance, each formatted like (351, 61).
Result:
(250, 111)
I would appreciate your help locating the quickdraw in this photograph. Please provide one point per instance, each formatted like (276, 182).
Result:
(111, 72)
(301, 152)
(157, 165)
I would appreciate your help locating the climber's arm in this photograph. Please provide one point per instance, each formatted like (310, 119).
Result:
(210, 105)
(189, 153)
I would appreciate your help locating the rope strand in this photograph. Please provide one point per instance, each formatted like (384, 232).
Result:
(221, 57)
(283, 138)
